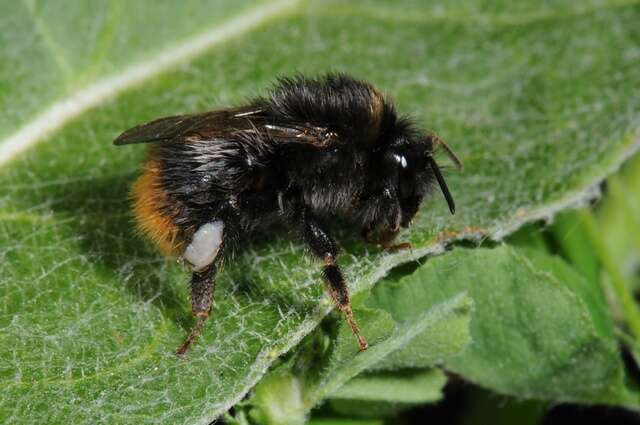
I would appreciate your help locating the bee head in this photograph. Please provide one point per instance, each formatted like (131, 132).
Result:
(410, 158)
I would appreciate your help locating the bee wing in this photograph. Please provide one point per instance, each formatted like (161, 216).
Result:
(175, 127)
(289, 133)
(249, 121)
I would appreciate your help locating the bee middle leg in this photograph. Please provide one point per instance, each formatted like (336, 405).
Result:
(323, 246)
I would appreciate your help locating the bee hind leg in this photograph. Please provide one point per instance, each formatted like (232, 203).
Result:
(202, 286)
(204, 254)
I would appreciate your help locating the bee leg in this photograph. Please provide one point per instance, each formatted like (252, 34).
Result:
(385, 239)
(323, 246)
(368, 234)
(389, 218)
(202, 286)
(204, 254)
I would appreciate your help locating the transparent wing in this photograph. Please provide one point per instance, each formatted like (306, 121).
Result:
(246, 122)
(179, 126)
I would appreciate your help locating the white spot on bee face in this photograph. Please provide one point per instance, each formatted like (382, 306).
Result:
(205, 245)
(401, 160)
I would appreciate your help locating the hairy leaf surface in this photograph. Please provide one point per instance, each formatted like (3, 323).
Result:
(539, 102)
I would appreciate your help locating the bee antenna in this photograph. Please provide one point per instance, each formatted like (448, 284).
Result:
(452, 156)
(443, 184)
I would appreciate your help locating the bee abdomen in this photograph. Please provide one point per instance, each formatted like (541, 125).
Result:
(151, 209)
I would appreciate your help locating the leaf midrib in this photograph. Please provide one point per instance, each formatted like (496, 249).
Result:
(64, 110)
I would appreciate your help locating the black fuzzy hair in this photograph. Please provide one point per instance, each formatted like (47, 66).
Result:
(335, 100)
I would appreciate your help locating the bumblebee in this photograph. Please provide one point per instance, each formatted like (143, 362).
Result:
(313, 151)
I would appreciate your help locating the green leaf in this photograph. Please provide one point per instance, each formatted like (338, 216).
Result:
(532, 97)
(315, 381)
(618, 220)
(575, 244)
(345, 363)
(409, 303)
(408, 386)
(539, 330)
(50, 53)
(382, 394)
(367, 409)
(290, 391)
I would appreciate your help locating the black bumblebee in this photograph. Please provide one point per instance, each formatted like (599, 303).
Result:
(314, 150)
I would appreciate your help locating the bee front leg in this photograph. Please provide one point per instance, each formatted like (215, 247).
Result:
(377, 234)
(324, 247)
(384, 230)
(384, 238)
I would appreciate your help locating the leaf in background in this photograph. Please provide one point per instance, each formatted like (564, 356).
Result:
(618, 219)
(291, 390)
(382, 394)
(408, 386)
(91, 315)
(410, 306)
(50, 50)
(539, 329)
(322, 378)
(574, 242)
